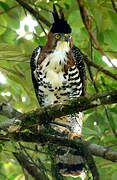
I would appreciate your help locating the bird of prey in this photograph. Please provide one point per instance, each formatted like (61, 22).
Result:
(58, 74)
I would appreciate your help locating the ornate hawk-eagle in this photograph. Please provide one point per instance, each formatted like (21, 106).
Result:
(58, 74)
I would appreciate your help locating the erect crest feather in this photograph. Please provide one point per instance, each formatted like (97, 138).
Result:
(55, 13)
(60, 25)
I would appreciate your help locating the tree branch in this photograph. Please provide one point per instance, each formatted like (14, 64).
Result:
(114, 5)
(103, 152)
(87, 23)
(47, 114)
(35, 13)
(99, 68)
(95, 149)
(27, 164)
(82, 145)
(8, 111)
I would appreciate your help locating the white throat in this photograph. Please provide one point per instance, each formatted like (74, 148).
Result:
(57, 59)
(62, 46)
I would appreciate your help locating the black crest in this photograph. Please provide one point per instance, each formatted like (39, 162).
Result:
(60, 25)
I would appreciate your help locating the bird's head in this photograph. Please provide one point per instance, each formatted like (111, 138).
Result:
(60, 32)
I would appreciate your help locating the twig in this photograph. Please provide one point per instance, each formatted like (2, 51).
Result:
(39, 166)
(100, 68)
(26, 163)
(91, 77)
(89, 67)
(35, 13)
(111, 122)
(32, 149)
(42, 28)
(114, 5)
(87, 23)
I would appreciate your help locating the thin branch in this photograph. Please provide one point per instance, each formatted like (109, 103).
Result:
(100, 68)
(42, 27)
(39, 166)
(33, 149)
(91, 77)
(114, 5)
(87, 23)
(111, 122)
(35, 13)
(47, 114)
(27, 164)
(8, 111)
(89, 67)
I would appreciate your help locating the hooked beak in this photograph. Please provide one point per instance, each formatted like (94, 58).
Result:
(64, 38)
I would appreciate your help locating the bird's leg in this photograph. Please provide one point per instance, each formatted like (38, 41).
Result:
(72, 135)
(75, 135)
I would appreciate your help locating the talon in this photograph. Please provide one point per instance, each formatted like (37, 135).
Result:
(66, 132)
(72, 135)
(75, 135)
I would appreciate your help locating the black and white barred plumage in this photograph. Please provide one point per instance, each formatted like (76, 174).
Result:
(58, 74)
(73, 87)
(74, 79)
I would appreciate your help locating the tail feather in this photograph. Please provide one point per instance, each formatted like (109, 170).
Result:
(69, 161)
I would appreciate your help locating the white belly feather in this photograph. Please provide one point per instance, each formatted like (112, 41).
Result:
(53, 67)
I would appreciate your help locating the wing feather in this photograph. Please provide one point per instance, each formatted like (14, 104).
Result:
(78, 56)
(33, 65)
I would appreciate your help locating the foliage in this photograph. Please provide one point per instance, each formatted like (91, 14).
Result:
(15, 52)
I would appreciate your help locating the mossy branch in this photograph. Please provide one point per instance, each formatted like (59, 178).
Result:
(45, 115)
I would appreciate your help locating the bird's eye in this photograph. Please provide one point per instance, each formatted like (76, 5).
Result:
(68, 35)
(57, 36)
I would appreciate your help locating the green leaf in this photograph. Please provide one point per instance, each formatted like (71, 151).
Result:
(4, 5)
(114, 176)
(89, 131)
(3, 25)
